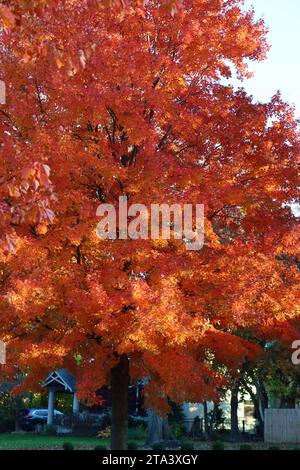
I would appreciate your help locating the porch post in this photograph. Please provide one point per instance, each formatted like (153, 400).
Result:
(50, 406)
(75, 404)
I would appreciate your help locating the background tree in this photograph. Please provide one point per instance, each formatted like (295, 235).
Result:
(86, 122)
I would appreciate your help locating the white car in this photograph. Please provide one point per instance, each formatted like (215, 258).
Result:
(36, 416)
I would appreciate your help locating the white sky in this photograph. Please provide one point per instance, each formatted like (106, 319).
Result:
(281, 70)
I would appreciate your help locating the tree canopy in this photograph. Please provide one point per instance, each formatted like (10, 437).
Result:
(106, 99)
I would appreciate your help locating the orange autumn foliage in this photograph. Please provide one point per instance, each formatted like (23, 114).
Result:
(130, 100)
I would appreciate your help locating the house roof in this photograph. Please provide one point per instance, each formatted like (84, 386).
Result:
(61, 380)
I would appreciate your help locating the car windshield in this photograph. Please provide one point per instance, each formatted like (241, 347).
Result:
(40, 413)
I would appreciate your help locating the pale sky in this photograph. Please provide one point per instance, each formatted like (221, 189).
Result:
(281, 70)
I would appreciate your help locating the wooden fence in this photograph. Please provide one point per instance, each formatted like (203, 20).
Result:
(282, 425)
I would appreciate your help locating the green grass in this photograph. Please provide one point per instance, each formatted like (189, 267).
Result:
(33, 441)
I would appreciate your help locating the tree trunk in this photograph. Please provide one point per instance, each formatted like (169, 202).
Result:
(213, 423)
(206, 423)
(119, 402)
(159, 430)
(234, 403)
(258, 411)
(263, 404)
(263, 396)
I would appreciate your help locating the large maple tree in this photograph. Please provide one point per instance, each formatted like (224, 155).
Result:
(109, 99)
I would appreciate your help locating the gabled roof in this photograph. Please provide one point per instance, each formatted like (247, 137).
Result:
(61, 379)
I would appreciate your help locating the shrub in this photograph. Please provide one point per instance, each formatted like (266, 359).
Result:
(105, 433)
(177, 430)
(7, 424)
(100, 447)
(68, 446)
(274, 448)
(49, 430)
(132, 446)
(216, 418)
(85, 429)
(159, 446)
(134, 421)
(245, 447)
(218, 445)
(186, 445)
(137, 433)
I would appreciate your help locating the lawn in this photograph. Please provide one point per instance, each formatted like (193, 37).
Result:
(34, 441)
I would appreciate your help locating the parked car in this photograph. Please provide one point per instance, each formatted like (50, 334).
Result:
(30, 418)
